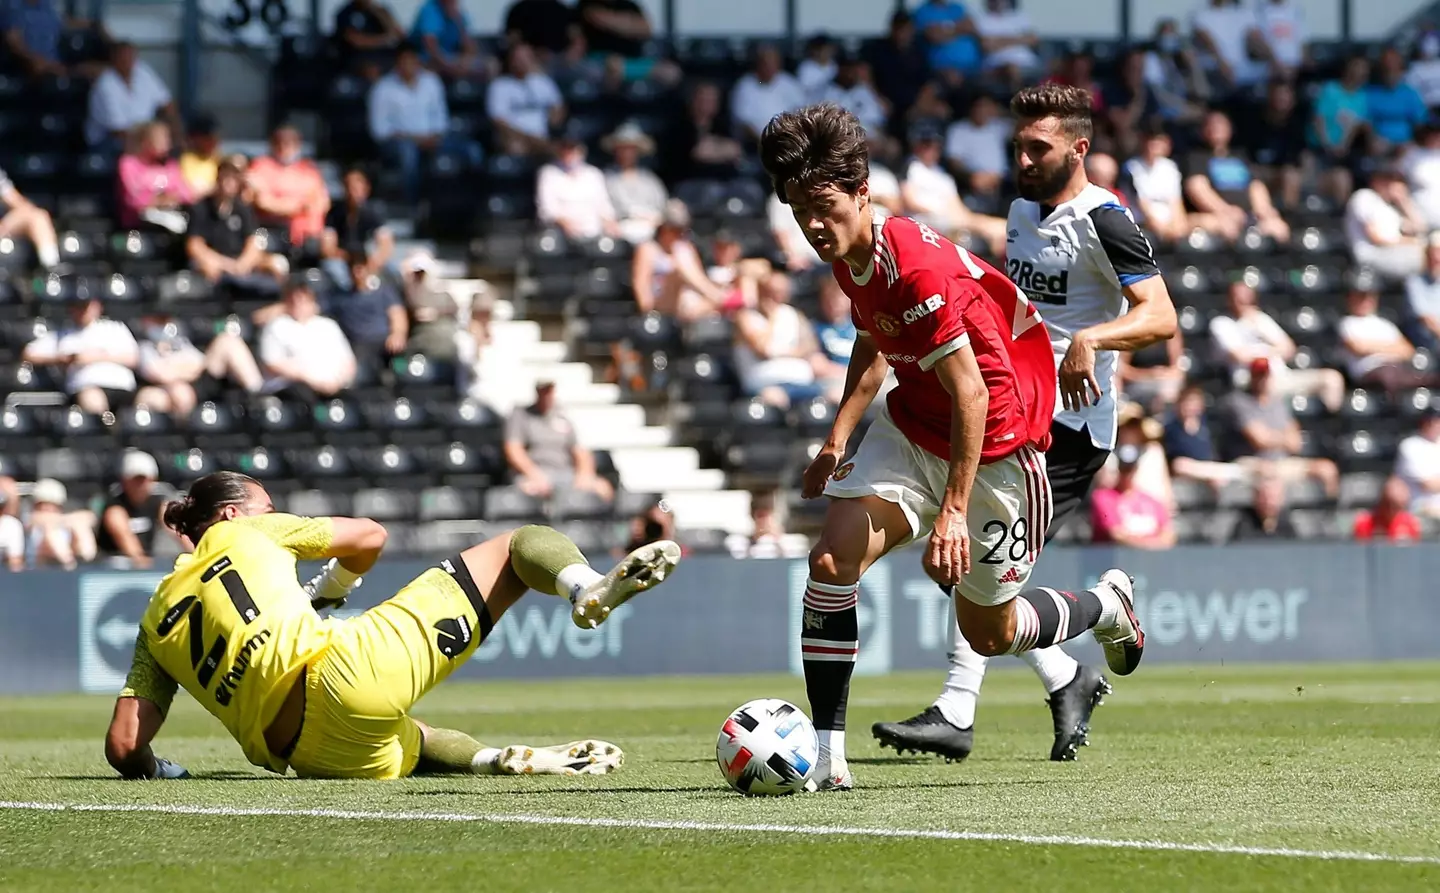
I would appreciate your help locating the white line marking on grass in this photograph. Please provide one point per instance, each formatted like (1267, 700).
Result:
(728, 828)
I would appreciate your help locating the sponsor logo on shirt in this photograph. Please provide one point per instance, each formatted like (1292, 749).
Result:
(843, 471)
(923, 309)
(1040, 286)
(1011, 236)
(887, 324)
(894, 358)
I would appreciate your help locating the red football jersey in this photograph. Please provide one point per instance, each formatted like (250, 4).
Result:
(924, 297)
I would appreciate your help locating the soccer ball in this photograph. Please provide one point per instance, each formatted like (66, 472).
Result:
(767, 747)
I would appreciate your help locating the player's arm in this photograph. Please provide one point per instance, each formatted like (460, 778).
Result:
(959, 374)
(139, 713)
(353, 545)
(863, 378)
(1151, 317)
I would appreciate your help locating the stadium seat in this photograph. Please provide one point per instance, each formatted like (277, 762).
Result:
(319, 503)
(508, 503)
(261, 463)
(66, 464)
(1412, 404)
(385, 463)
(385, 504)
(1360, 490)
(572, 503)
(1307, 493)
(1191, 494)
(319, 463)
(449, 504)
(813, 419)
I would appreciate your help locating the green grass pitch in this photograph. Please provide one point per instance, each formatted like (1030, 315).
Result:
(1305, 760)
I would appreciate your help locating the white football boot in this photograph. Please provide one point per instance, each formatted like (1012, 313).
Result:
(576, 758)
(642, 569)
(1124, 643)
(830, 775)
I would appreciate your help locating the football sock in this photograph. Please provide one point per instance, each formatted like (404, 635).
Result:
(547, 561)
(962, 685)
(449, 751)
(1045, 617)
(829, 646)
(1055, 668)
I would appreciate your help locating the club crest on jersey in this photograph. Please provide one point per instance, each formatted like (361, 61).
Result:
(843, 471)
(887, 324)
(923, 309)
(1059, 245)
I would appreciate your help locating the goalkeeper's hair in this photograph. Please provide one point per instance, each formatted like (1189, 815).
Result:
(193, 514)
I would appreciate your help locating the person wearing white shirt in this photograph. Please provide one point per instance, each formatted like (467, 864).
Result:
(764, 93)
(977, 147)
(524, 105)
(1281, 26)
(99, 357)
(1008, 39)
(852, 91)
(1383, 226)
(571, 194)
(410, 120)
(303, 354)
(818, 68)
(1424, 73)
(933, 198)
(1417, 463)
(127, 94)
(1223, 32)
(797, 251)
(1244, 333)
(1421, 163)
(885, 189)
(1376, 353)
(1159, 190)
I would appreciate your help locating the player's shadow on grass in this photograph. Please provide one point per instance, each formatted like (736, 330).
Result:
(854, 761)
(218, 775)
(671, 789)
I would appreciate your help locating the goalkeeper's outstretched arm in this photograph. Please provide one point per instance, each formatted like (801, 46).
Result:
(139, 713)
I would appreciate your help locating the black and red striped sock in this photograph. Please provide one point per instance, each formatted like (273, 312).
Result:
(1045, 617)
(829, 646)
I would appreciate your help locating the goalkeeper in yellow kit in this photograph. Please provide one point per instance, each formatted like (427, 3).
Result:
(331, 698)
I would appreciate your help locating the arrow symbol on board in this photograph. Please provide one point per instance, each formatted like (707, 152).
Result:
(117, 633)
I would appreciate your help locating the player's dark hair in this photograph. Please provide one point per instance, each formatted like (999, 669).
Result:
(1072, 107)
(193, 514)
(814, 147)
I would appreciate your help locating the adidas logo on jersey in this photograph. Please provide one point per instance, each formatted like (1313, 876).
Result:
(923, 309)
(1036, 282)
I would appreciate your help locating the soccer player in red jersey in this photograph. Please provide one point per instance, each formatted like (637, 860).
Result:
(958, 450)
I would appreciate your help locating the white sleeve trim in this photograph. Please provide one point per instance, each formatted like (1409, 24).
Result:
(943, 351)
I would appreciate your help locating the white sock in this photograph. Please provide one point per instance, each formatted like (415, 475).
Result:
(1110, 606)
(484, 762)
(832, 746)
(1055, 668)
(49, 255)
(575, 579)
(962, 685)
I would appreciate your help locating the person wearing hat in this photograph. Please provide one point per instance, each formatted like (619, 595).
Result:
(1376, 352)
(637, 194)
(55, 536)
(223, 242)
(544, 453)
(1125, 514)
(98, 356)
(131, 516)
(1384, 227)
(933, 198)
(570, 193)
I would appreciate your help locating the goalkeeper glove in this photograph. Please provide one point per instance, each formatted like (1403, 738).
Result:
(166, 769)
(330, 587)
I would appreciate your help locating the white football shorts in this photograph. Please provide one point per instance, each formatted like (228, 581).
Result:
(1009, 511)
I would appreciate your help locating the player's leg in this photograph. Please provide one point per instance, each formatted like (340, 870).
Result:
(448, 752)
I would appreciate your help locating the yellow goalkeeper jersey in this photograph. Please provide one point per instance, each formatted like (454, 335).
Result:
(233, 627)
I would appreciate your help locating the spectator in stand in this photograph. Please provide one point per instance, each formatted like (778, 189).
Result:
(1130, 103)
(570, 193)
(1384, 226)
(548, 26)
(442, 31)
(765, 92)
(836, 334)
(173, 366)
(614, 28)
(1422, 301)
(1174, 73)
(1225, 33)
(977, 149)
(1376, 352)
(1190, 445)
(1424, 72)
(1395, 108)
(371, 314)
(127, 94)
(899, 64)
(852, 89)
(33, 30)
(1270, 437)
(1341, 128)
(1104, 171)
(55, 536)
(1008, 38)
(544, 453)
(200, 162)
(796, 251)
(1421, 163)
(950, 34)
(667, 274)
(12, 531)
(776, 354)
(1389, 520)
(305, 355)
(930, 110)
(1244, 333)
(701, 147)
(98, 355)
(767, 538)
(22, 218)
(1160, 194)
(1125, 514)
(1218, 181)
(222, 241)
(1279, 38)
(1417, 463)
(524, 105)
(1154, 375)
(356, 227)
(1152, 469)
(885, 189)
(436, 329)
(1266, 518)
(366, 37)
(410, 121)
(1275, 142)
(152, 189)
(732, 272)
(655, 522)
(289, 190)
(131, 516)
(933, 198)
(818, 68)
(637, 194)
(1077, 69)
